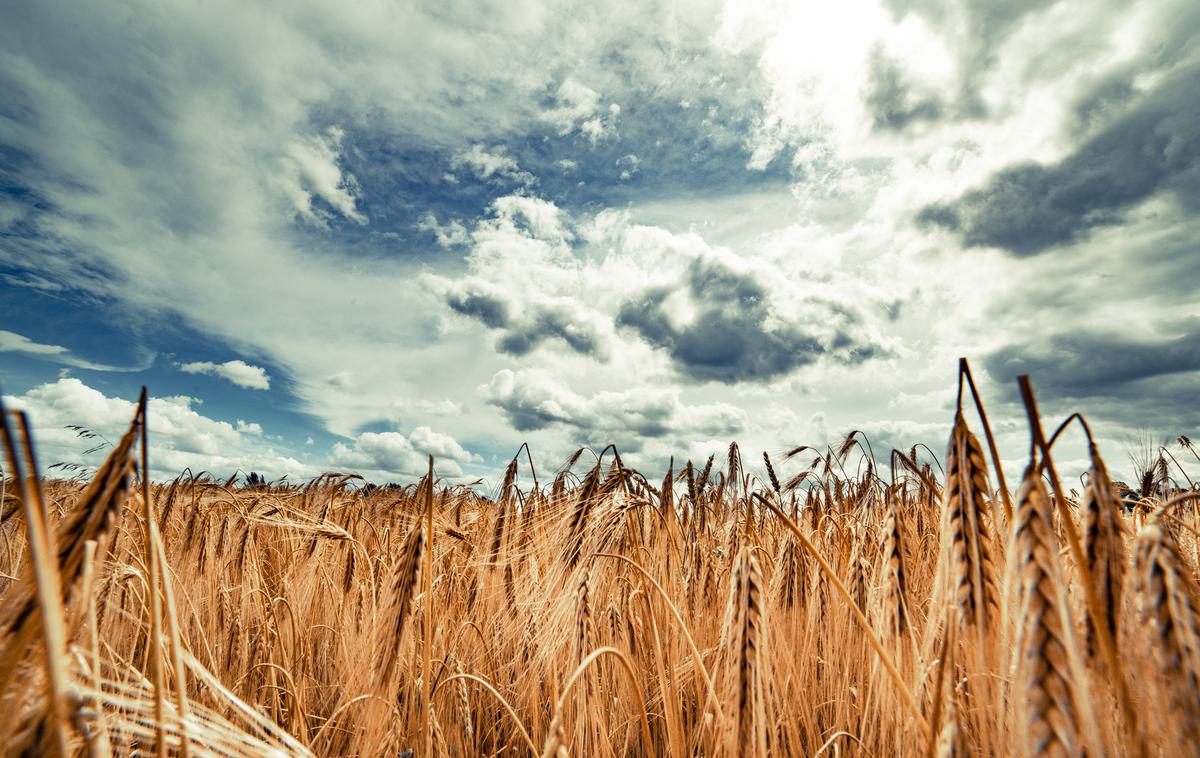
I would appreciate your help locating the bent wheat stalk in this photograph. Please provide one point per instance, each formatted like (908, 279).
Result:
(1135, 740)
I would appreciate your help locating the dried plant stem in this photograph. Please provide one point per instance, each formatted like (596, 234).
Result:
(864, 624)
(427, 657)
(49, 588)
(1135, 740)
(697, 659)
(965, 372)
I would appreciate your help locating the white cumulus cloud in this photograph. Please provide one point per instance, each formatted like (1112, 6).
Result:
(385, 455)
(180, 436)
(239, 372)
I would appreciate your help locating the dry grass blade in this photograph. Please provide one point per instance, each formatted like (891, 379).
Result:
(860, 617)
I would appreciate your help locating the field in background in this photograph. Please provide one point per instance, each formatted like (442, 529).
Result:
(588, 611)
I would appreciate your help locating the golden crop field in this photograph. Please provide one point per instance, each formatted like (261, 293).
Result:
(825, 609)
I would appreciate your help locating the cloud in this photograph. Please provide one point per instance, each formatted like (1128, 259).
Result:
(521, 231)
(15, 343)
(180, 436)
(151, 182)
(249, 428)
(1092, 362)
(381, 455)
(791, 146)
(534, 217)
(1152, 147)
(1134, 379)
(496, 164)
(11, 342)
(537, 324)
(574, 106)
(548, 322)
(719, 324)
(984, 25)
(434, 407)
(452, 234)
(893, 102)
(343, 380)
(491, 310)
(438, 445)
(533, 400)
(629, 165)
(716, 314)
(239, 372)
(310, 173)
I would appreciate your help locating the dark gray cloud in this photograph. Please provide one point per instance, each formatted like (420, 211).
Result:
(1091, 362)
(1153, 147)
(1172, 42)
(1134, 381)
(735, 336)
(892, 101)
(492, 311)
(544, 324)
(534, 325)
(1103, 100)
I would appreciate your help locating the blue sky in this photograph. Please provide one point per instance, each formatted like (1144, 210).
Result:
(332, 237)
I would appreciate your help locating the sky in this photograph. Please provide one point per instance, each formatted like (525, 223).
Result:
(345, 236)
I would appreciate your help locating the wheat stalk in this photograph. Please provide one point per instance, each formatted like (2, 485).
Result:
(748, 653)
(965, 527)
(1104, 545)
(1045, 700)
(1168, 596)
(403, 584)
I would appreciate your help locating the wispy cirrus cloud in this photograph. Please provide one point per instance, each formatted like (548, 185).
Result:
(12, 342)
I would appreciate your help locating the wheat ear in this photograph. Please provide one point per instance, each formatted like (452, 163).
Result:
(1168, 596)
(1103, 546)
(965, 526)
(1046, 714)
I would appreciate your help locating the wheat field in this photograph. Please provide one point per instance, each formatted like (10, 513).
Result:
(824, 609)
